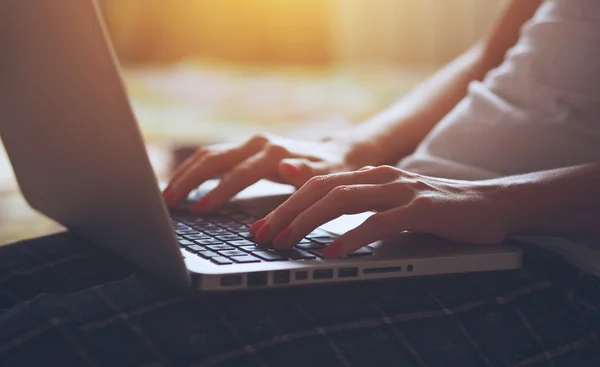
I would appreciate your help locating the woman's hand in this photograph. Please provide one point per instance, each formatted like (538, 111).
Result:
(457, 210)
(263, 156)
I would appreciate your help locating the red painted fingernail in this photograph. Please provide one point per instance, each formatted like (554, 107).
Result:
(291, 170)
(263, 233)
(282, 238)
(256, 226)
(334, 249)
(201, 205)
(168, 197)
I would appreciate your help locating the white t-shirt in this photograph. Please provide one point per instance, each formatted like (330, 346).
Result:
(540, 109)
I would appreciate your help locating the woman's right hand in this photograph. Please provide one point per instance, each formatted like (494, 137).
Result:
(262, 156)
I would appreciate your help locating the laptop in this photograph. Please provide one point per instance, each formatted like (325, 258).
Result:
(79, 158)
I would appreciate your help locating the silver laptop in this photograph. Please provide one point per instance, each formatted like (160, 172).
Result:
(79, 158)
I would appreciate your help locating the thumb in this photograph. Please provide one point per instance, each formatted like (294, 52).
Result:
(296, 171)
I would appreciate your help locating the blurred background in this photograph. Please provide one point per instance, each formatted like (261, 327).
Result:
(205, 71)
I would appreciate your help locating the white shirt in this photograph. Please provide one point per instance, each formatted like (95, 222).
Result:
(539, 110)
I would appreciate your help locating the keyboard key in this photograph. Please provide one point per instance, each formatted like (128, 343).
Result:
(207, 254)
(236, 229)
(266, 247)
(198, 236)
(244, 234)
(194, 248)
(317, 233)
(217, 232)
(210, 241)
(249, 248)
(219, 260)
(219, 247)
(245, 259)
(317, 252)
(185, 243)
(244, 218)
(323, 240)
(309, 246)
(269, 256)
(189, 221)
(299, 255)
(231, 253)
(185, 231)
(360, 252)
(364, 251)
(205, 226)
(223, 222)
(228, 237)
(241, 243)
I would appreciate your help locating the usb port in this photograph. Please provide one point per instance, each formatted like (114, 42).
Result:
(347, 272)
(231, 280)
(258, 279)
(281, 277)
(301, 275)
(323, 274)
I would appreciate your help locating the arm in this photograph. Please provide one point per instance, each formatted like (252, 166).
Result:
(563, 201)
(374, 142)
(415, 115)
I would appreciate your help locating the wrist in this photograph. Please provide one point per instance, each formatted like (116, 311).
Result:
(363, 148)
(358, 153)
(517, 205)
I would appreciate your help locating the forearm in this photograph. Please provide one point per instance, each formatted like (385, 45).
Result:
(396, 132)
(564, 201)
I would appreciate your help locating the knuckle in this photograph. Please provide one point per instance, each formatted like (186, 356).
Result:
(421, 202)
(259, 139)
(386, 171)
(397, 185)
(341, 192)
(317, 181)
(275, 150)
(209, 158)
(400, 189)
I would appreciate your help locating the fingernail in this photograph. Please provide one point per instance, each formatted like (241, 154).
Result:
(291, 170)
(334, 249)
(282, 238)
(263, 233)
(201, 205)
(256, 226)
(168, 196)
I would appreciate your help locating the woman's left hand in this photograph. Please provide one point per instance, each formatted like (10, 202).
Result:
(464, 211)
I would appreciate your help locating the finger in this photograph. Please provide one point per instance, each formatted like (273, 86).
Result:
(209, 166)
(187, 163)
(315, 189)
(168, 191)
(377, 227)
(197, 155)
(341, 200)
(241, 176)
(296, 171)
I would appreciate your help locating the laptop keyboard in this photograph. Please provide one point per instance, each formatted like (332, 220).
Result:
(223, 238)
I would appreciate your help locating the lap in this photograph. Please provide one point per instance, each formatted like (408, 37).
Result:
(63, 302)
